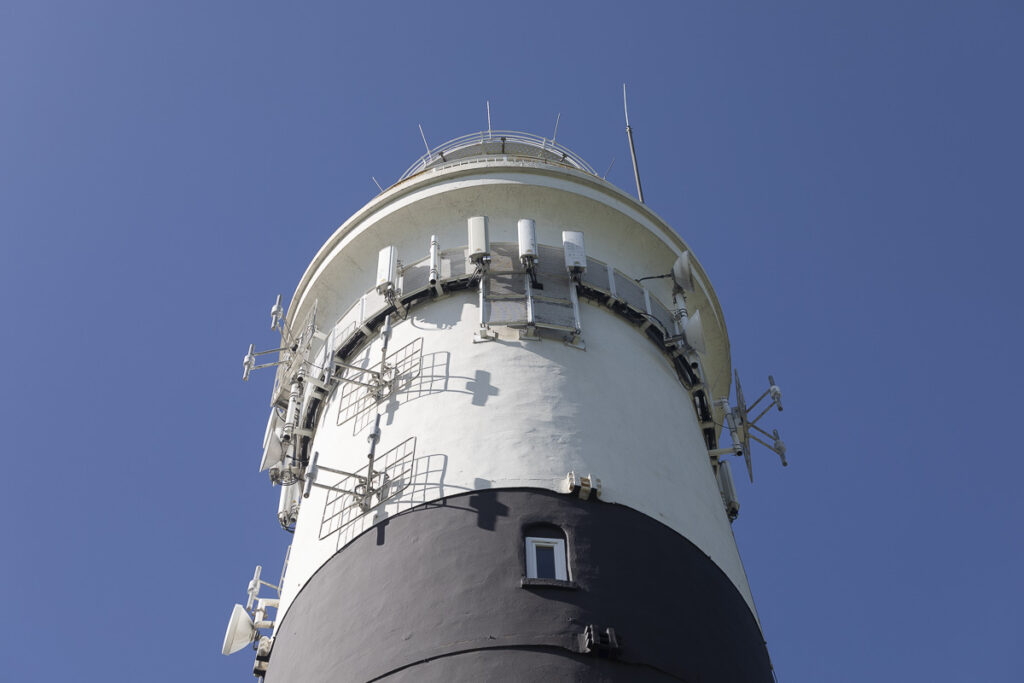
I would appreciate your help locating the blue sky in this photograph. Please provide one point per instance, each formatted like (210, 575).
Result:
(848, 173)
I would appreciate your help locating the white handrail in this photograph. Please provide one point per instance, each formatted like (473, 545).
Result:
(547, 151)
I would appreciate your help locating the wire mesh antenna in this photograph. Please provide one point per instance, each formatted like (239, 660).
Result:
(632, 148)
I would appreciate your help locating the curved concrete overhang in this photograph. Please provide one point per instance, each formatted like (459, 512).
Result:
(490, 172)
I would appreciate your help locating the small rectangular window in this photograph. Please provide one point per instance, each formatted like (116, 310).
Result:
(545, 558)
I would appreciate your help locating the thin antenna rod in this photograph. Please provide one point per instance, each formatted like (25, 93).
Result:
(605, 176)
(632, 149)
(376, 183)
(488, 118)
(555, 136)
(428, 146)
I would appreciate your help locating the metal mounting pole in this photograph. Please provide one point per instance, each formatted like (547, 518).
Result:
(632, 148)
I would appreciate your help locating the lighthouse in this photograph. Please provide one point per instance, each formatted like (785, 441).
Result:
(500, 430)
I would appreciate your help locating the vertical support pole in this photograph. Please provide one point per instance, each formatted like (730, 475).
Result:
(434, 279)
(530, 317)
(632, 148)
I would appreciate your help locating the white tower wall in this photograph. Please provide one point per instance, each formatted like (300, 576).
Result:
(505, 394)
(554, 408)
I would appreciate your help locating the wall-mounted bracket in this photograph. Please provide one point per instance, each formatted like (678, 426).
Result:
(394, 297)
(484, 334)
(575, 340)
(600, 642)
(263, 649)
(246, 622)
(529, 333)
(583, 486)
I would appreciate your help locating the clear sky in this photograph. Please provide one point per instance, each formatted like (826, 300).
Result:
(850, 175)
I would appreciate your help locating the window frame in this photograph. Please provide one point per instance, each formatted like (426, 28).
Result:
(561, 559)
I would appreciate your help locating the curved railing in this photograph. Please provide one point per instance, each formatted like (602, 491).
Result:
(499, 143)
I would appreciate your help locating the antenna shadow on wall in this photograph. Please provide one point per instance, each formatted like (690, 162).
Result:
(411, 480)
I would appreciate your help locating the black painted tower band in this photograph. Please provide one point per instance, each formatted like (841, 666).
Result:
(438, 593)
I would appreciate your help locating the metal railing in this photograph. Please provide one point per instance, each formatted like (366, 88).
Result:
(500, 143)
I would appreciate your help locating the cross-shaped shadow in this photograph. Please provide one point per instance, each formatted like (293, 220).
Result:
(488, 509)
(481, 388)
(380, 532)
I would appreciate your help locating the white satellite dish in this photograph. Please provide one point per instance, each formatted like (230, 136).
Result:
(682, 274)
(694, 332)
(241, 631)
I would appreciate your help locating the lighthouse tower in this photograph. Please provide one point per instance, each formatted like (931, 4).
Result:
(495, 430)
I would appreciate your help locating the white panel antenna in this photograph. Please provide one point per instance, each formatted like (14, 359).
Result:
(387, 278)
(479, 240)
(575, 252)
(527, 241)
(387, 269)
(528, 252)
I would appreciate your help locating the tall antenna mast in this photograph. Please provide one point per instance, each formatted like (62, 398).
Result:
(632, 149)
